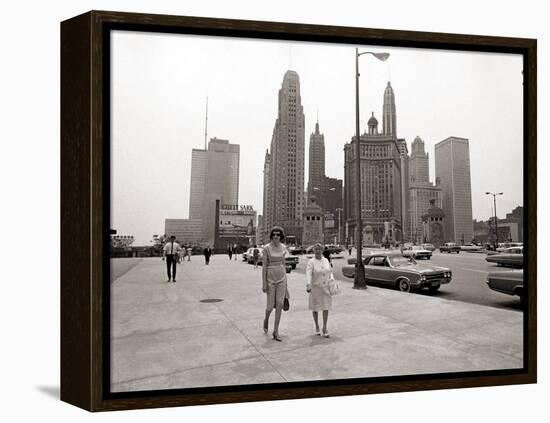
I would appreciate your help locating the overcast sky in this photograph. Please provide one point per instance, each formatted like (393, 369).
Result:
(160, 84)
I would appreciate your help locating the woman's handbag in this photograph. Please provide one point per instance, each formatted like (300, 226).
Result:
(334, 287)
(286, 302)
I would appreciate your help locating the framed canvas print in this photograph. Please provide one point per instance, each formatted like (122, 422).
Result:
(255, 211)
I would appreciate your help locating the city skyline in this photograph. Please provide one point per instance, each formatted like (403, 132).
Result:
(438, 94)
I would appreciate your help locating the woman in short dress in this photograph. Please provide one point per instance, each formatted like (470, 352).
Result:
(274, 278)
(318, 276)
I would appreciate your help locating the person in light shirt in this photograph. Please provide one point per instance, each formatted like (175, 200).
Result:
(318, 276)
(171, 252)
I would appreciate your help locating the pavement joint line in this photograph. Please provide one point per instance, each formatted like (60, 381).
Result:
(221, 363)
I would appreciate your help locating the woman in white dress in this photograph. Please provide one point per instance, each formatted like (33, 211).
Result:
(318, 277)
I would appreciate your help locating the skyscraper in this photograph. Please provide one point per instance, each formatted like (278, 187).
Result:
(316, 161)
(381, 199)
(287, 155)
(214, 176)
(389, 116)
(452, 167)
(421, 190)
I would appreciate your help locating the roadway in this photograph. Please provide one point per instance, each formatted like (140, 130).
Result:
(468, 284)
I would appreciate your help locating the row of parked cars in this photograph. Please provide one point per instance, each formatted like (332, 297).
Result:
(400, 270)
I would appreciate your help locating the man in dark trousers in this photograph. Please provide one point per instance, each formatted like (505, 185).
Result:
(207, 254)
(171, 252)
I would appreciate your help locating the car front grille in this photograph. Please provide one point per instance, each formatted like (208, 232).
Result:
(434, 276)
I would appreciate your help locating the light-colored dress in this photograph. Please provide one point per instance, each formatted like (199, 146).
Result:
(318, 276)
(274, 275)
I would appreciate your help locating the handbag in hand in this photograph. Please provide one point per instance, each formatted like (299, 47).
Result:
(334, 287)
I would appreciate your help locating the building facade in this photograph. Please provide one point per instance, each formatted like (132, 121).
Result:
(186, 231)
(452, 168)
(284, 199)
(381, 199)
(316, 162)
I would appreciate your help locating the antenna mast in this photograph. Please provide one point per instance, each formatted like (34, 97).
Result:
(206, 125)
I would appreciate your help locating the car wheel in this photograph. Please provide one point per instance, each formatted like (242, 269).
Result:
(433, 288)
(403, 285)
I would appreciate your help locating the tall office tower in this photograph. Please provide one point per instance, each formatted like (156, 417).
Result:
(267, 198)
(421, 190)
(389, 117)
(452, 167)
(316, 163)
(199, 161)
(214, 176)
(286, 176)
(381, 198)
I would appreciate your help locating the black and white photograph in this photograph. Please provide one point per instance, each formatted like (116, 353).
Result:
(239, 211)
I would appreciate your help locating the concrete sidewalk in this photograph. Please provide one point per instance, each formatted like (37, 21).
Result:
(164, 337)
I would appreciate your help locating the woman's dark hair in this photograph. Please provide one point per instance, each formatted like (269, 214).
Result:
(279, 230)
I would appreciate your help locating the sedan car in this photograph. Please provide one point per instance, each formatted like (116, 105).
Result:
(417, 252)
(470, 247)
(509, 282)
(428, 246)
(512, 256)
(403, 273)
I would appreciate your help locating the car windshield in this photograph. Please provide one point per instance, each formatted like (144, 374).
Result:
(399, 261)
(417, 247)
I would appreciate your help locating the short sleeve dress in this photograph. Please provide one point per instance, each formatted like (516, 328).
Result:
(318, 276)
(274, 275)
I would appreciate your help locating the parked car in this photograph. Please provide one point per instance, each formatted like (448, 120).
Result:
(450, 247)
(428, 246)
(290, 260)
(296, 250)
(512, 256)
(508, 282)
(417, 252)
(250, 255)
(505, 245)
(470, 247)
(403, 273)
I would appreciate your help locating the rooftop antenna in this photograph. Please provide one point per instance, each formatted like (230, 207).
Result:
(206, 124)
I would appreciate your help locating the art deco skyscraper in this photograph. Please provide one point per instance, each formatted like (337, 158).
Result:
(421, 191)
(316, 160)
(287, 156)
(389, 116)
(452, 167)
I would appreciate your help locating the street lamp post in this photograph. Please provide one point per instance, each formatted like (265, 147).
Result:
(494, 194)
(359, 279)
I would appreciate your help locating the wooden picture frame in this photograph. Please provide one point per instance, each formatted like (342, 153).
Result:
(85, 121)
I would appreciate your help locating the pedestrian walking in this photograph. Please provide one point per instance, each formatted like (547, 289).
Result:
(255, 255)
(188, 251)
(230, 252)
(236, 251)
(274, 278)
(207, 254)
(171, 253)
(349, 250)
(318, 277)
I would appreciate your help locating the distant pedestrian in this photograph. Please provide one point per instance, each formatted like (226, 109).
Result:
(171, 252)
(207, 254)
(274, 278)
(236, 251)
(230, 252)
(188, 251)
(255, 256)
(349, 250)
(318, 277)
